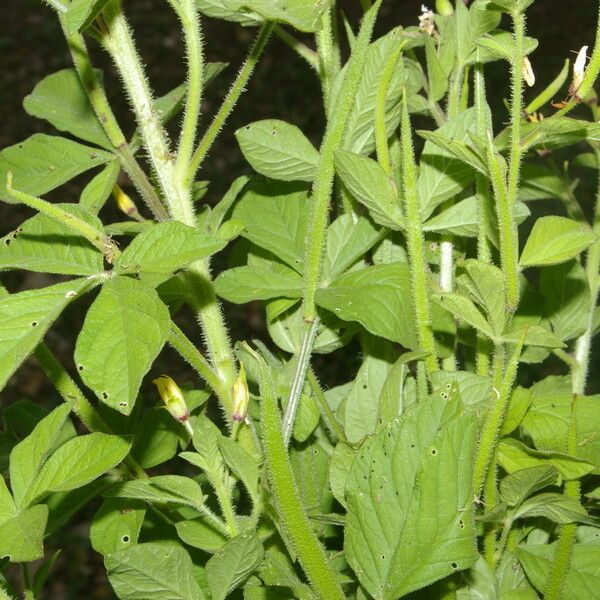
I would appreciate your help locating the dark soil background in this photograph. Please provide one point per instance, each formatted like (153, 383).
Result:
(32, 46)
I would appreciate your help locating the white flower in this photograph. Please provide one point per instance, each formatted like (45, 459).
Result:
(578, 70)
(528, 74)
(426, 20)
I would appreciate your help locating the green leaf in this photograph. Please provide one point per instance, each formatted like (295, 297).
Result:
(339, 469)
(162, 489)
(116, 525)
(78, 462)
(61, 100)
(514, 456)
(567, 298)
(44, 245)
(233, 563)
(81, 13)
(348, 240)
(556, 507)
(8, 507)
(555, 240)
(156, 439)
(518, 405)
(111, 356)
(22, 536)
(472, 388)
(547, 422)
(278, 150)
(539, 182)
(441, 174)
(153, 571)
(407, 491)
(366, 180)
(378, 297)
(464, 309)
(97, 191)
(278, 571)
(243, 284)
(200, 534)
(275, 216)
(304, 15)
(25, 317)
(583, 577)
(166, 247)
(42, 163)
(241, 463)
(499, 45)
(517, 486)
(28, 456)
(535, 335)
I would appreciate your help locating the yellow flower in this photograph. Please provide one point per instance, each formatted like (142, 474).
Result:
(241, 396)
(124, 202)
(173, 399)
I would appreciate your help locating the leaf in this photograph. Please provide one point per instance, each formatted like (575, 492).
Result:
(514, 456)
(278, 571)
(547, 422)
(348, 240)
(162, 489)
(567, 298)
(165, 248)
(555, 240)
(116, 525)
(583, 577)
(25, 317)
(278, 150)
(517, 486)
(339, 469)
(200, 534)
(518, 405)
(97, 191)
(23, 535)
(61, 100)
(473, 389)
(44, 245)
(233, 563)
(441, 174)
(275, 215)
(533, 335)
(367, 182)
(156, 438)
(8, 507)
(556, 507)
(407, 491)
(464, 309)
(28, 456)
(42, 163)
(80, 13)
(378, 297)
(111, 356)
(241, 463)
(243, 284)
(78, 462)
(152, 571)
(499, 45)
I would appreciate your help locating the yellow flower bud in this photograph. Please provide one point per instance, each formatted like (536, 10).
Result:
(173, 398)
(241, 396)
(124, 202)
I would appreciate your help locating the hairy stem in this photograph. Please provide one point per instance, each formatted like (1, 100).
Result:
(329, 417)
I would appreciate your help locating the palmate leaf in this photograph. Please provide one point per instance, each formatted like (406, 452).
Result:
(44, 245)
(124, 330)
(408, 493)
(42, 163)
(26, 317)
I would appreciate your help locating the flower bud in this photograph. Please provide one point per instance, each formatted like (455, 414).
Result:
(528, 74)
(124, 202)
(444, 8)
(172, 397)
(578, 71)
(241, 396)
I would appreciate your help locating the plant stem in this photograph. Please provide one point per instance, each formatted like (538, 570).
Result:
(236, 90)
(27, 591)
(490, 494)
(327, 63)
(95, 236)
(310, 56)
(415, 243)
(330, 419)
(310, 332)
(195, 59)
(295, 523)
(106, 118)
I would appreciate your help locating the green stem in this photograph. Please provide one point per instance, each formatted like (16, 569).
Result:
(96, 237)
(310, 56)
(415, 242)
(504, 537)
(194, 358)
(490, 497)
(27, 587)
(494, 418)
(195, 59)
(566, 540)
(327, 63)
(99, 102)
(236, 90)
(330, 419)
(294, 520)
(310, 332)
(381, 138)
